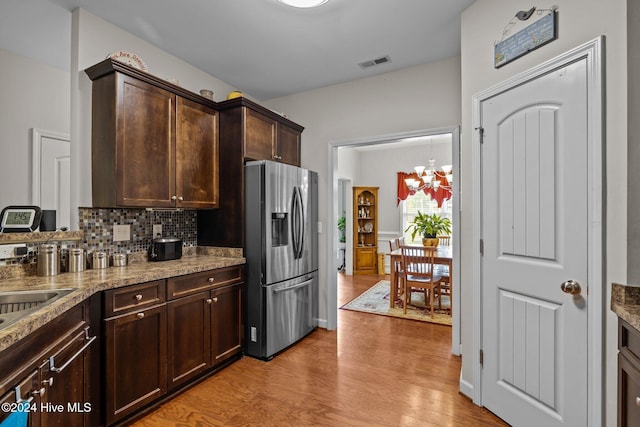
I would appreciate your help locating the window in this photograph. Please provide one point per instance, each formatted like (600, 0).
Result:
(423, 203)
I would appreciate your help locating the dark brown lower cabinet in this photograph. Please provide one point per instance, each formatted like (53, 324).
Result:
(205, 330)
(135, 360)
(226, 322)
(54, 372)
(628, 375)
(188, 337)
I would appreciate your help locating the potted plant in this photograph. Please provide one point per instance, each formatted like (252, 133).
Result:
(429, 227)
(342, 225)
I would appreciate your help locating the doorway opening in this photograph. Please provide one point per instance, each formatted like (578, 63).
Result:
(338, 153)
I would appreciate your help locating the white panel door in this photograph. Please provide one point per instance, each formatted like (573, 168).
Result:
(52, 174)
(534, 196)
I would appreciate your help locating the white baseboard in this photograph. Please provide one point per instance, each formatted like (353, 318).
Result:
(322, 323)
(466, 388)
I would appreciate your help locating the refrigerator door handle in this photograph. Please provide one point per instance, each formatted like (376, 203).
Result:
(291, 288)
(300, 224)
(297, 223)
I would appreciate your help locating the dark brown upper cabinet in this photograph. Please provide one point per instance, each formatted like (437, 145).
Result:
(153, 144)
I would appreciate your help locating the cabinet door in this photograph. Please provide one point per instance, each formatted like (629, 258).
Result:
(288, 145)
(189, 337)
(260, 136)
(628, 393)
(66, 382)
(136, 361)
(23, 394)
(365, 260)
(226, 321)
(145, 144)
(196, 155)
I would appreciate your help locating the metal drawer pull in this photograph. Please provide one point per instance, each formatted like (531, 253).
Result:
(19, 398)
(41, 392)
(48, 382)
(140, 315)
(138, 297)
(52, 361)
(215, 299)
(211, 280)
(638, 401)
(209, 300)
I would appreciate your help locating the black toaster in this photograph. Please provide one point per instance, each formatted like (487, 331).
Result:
(165, 249)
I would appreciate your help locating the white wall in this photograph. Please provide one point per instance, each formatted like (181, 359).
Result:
(416, 98)
(93, 39)
(34, 95)
(579, 21)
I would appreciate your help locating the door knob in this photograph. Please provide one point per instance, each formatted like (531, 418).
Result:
(571, 287)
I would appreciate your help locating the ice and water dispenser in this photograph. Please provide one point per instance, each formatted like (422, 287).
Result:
(279, 229)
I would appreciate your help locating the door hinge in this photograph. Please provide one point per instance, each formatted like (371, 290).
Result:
(481, 247)
(481, 358)
(480, 130)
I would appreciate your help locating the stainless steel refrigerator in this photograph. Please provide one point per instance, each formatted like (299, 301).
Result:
(281, 211)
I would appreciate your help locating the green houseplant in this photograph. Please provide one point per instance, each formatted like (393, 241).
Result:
(429, 227)
(342, 225)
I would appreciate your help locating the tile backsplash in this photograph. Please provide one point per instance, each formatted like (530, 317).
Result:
(97, 225)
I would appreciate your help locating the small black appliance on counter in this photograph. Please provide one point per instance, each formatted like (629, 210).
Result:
(165, 249)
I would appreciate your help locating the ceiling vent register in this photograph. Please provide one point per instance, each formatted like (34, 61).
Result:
(374, 62)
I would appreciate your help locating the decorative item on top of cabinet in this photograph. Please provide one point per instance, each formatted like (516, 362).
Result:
(153, 144)
(365, 230)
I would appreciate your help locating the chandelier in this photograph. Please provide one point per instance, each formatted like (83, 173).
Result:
(429, 177)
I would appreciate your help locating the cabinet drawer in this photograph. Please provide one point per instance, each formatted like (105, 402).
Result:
(629, 340)
(197, 282)
(134, 297)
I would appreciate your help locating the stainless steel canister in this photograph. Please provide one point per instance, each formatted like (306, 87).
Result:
(48, 260)
(119, 260)
(99, 260)
(77, 260)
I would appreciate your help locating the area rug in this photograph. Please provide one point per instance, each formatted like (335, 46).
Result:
(376, 300)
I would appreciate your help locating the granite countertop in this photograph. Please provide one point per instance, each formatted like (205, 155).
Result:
(625, 302)
(89, 282)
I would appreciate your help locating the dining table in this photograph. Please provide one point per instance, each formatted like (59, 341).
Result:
(444, 256)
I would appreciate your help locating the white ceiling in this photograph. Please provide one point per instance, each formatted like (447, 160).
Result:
(262, 47)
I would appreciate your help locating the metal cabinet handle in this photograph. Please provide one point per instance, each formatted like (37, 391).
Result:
(173, 197)
(571, 287)
(638, 401)
(138, 297)
(140, 315)
(211, 279)
(52, 359)
(48, 382)
(19, 398)
(181, 198)
(41, 392)
(209, 300)
(215, 299)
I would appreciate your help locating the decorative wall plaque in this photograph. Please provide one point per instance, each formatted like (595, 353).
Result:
(541, 32)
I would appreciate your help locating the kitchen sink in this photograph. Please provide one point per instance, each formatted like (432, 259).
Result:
(14, 305)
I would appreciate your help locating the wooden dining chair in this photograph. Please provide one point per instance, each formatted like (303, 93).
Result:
(394, 244)
(419, 274)
(444, 240)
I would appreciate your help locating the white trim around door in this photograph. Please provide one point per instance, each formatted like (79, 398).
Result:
(592, 53)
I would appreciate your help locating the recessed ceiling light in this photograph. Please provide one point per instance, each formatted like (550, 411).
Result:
(303, 3)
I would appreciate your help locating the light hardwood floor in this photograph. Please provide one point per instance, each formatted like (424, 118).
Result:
(372, 371)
